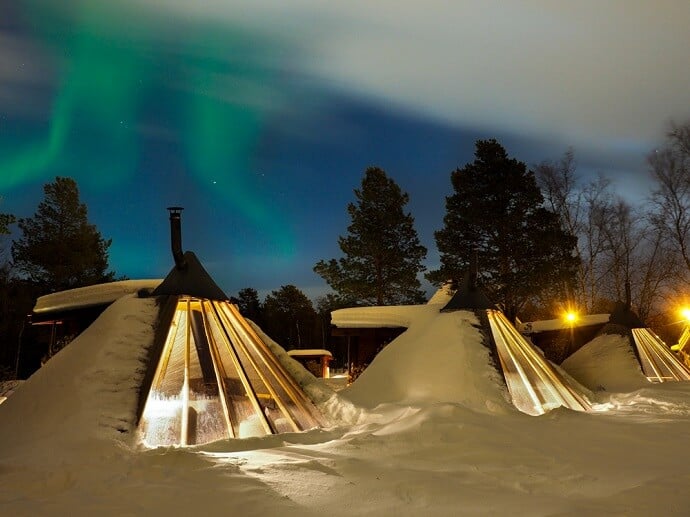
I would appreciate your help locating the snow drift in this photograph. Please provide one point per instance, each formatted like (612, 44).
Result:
(441, 440)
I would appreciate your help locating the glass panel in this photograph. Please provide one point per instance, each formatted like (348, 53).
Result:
(279, 403)
(206, 418)
(161, 420)
(216, 379)
(244, 412)
(657, 361)
(534, 385)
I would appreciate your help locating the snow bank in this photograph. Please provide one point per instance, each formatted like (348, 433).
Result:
(442, 296)
(7, 388)
(606, 363)
(87, 391)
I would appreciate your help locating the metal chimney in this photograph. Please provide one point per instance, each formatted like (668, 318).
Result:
(176, 236)
(188, 277)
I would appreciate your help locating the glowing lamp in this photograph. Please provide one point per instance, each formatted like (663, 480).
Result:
(685, 313)
(571, 317)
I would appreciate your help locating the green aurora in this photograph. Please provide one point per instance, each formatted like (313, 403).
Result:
(213, 82)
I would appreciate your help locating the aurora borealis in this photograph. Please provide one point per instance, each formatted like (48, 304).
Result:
(261, 118)
(127, 108)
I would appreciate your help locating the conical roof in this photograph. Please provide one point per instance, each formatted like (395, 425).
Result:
(624, 316)
(191, 279)
(215, 377)
(188, 277)
(468, 296)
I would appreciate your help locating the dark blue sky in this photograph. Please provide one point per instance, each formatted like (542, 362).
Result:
(261, 120)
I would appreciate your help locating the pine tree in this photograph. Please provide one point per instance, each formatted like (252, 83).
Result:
(290, 317)
(58, 248)
(249, 305)
(12, 310)
(497, 210)
(5, 221)
(383, 254)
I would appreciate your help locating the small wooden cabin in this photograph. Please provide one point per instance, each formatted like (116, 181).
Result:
(313, 359)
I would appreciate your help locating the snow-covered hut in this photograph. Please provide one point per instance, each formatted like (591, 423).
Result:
(535, 386)
(658, 362)
(200, 373)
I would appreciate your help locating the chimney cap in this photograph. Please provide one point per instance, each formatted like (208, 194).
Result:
(175, 209)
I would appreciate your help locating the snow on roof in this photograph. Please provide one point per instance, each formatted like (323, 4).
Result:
(90, 388)
(561, 324)
(91, 295)
(606, 363)
(376, 317)
(309, 352)
(442, 295)
(439, 357)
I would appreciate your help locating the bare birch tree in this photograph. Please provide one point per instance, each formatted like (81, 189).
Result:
(670, 168)
(582, 211)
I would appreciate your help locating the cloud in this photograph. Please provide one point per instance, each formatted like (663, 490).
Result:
(586, 70)
(588, 73)
(24, 70)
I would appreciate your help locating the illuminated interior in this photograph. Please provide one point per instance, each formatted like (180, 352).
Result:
(682, 349)
(658, 363)
(533, 383)
(217, 379)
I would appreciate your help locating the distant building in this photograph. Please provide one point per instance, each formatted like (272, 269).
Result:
(559, 339)
(313, 359)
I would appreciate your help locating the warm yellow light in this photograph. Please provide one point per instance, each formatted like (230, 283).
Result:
(571, 317)
(685, 313)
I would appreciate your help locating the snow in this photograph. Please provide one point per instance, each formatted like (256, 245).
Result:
(428, 363)
(375, 317)
(561, 324)
(426, 430)
(302, 352)
(606, 363)
(89, 296)
(7, 388)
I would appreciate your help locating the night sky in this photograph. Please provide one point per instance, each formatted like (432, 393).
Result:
(260, 117)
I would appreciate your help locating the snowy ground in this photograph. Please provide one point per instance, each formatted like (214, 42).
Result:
(426, 430)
